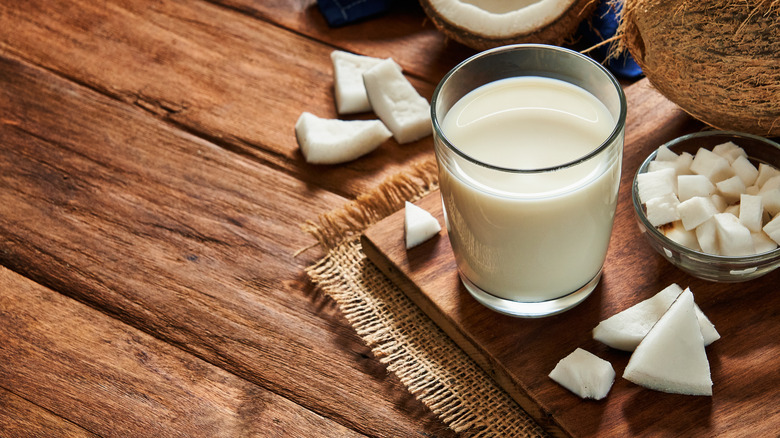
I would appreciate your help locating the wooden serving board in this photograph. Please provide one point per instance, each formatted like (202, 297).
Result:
(520, 353)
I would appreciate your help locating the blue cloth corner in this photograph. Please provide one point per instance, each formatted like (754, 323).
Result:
(342, 12)
(601, 26)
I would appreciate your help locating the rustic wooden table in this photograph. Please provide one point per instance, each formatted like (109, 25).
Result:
(151, 197)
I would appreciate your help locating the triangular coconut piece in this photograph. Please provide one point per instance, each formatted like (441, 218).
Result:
(419, 225)
(333, 141)
(584, 374)
(626, 329)
(671, 358)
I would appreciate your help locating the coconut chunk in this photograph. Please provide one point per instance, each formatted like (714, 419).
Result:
(696, 211)
(719, 202)
(733, 237)
(707, 236)
(349, 91)
(671, 358)
(772, 229)
(762, 242)
(711, 165)
(396, 102)
(752, 190)
(584, 374)
(745, 170)
(626, 329)
(771, 201)
(751, 211)
(765, 172)
(653, 184)
(683, 164)
(689, 186)
(658, 165)
(770, 184)
(419, 225)
(729, 150)
(662, 209)
(663, 153)
(333, 141)
(677, 233)
(731, 188)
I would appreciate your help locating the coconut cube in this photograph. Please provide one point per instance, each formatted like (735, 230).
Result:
(770, 184)
(752, 190)
(772, 229)
(683, 164)
(333, 141)
(696, 211)
(689, 186)
(733, 238)
(729, 150)
(658, 165)
(707, 236)
(719, 202)
(349, 91)
(751, 211)
(662, 209)
(745, 170)
(663, 153)
(765, 172)
(654, 184)
(676, 232)
(584, 374)
(771, 201)
(711, 165)
(396, 102)
(762, 242)
(731, 188)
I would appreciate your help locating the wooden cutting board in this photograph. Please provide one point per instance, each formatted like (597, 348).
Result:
(520, 353)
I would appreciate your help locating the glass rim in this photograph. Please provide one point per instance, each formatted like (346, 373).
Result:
(688, 252)
(616, 130)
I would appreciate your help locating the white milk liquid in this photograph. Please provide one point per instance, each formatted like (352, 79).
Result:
(529, 237)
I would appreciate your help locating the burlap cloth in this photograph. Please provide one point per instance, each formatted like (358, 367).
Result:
(434, 369)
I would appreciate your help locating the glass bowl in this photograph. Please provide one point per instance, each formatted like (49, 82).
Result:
(727, 269)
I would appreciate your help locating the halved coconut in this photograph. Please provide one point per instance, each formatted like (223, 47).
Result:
(491, 23)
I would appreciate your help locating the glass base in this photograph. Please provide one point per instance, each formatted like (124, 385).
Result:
(531, 309)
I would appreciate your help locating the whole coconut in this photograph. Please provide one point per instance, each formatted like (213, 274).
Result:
(484, 24)
(718, 60)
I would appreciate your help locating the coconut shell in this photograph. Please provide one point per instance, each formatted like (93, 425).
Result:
(717, 60)
(555, 33)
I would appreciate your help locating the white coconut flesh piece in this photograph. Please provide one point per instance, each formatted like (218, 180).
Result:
(333, 141)
(626, 329)
(672, 358)
(419, 225)
(722, 181)
(584, 374)
(349, 91)
(396, 102)
(501, 18)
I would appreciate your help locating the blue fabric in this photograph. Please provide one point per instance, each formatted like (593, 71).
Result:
(343, 12)
(601, 26)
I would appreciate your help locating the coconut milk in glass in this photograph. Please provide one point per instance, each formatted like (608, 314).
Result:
(529, 143)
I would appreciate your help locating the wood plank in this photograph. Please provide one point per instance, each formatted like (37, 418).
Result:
(520, 353)
(19, 417)
(237, 81)
(185, 241)
(113, 380)
(403, 33)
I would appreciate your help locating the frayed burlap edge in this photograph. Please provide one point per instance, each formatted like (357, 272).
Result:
(433, 368)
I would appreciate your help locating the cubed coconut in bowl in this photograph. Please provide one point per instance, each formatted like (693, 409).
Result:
(709, 203)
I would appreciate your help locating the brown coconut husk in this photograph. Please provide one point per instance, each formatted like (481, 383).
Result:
(718, 60)
(555, 33)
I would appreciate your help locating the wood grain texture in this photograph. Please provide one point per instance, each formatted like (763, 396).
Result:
(113, 380)
(20, 417)
(239, 82)
(520, 353)
(183, 240)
